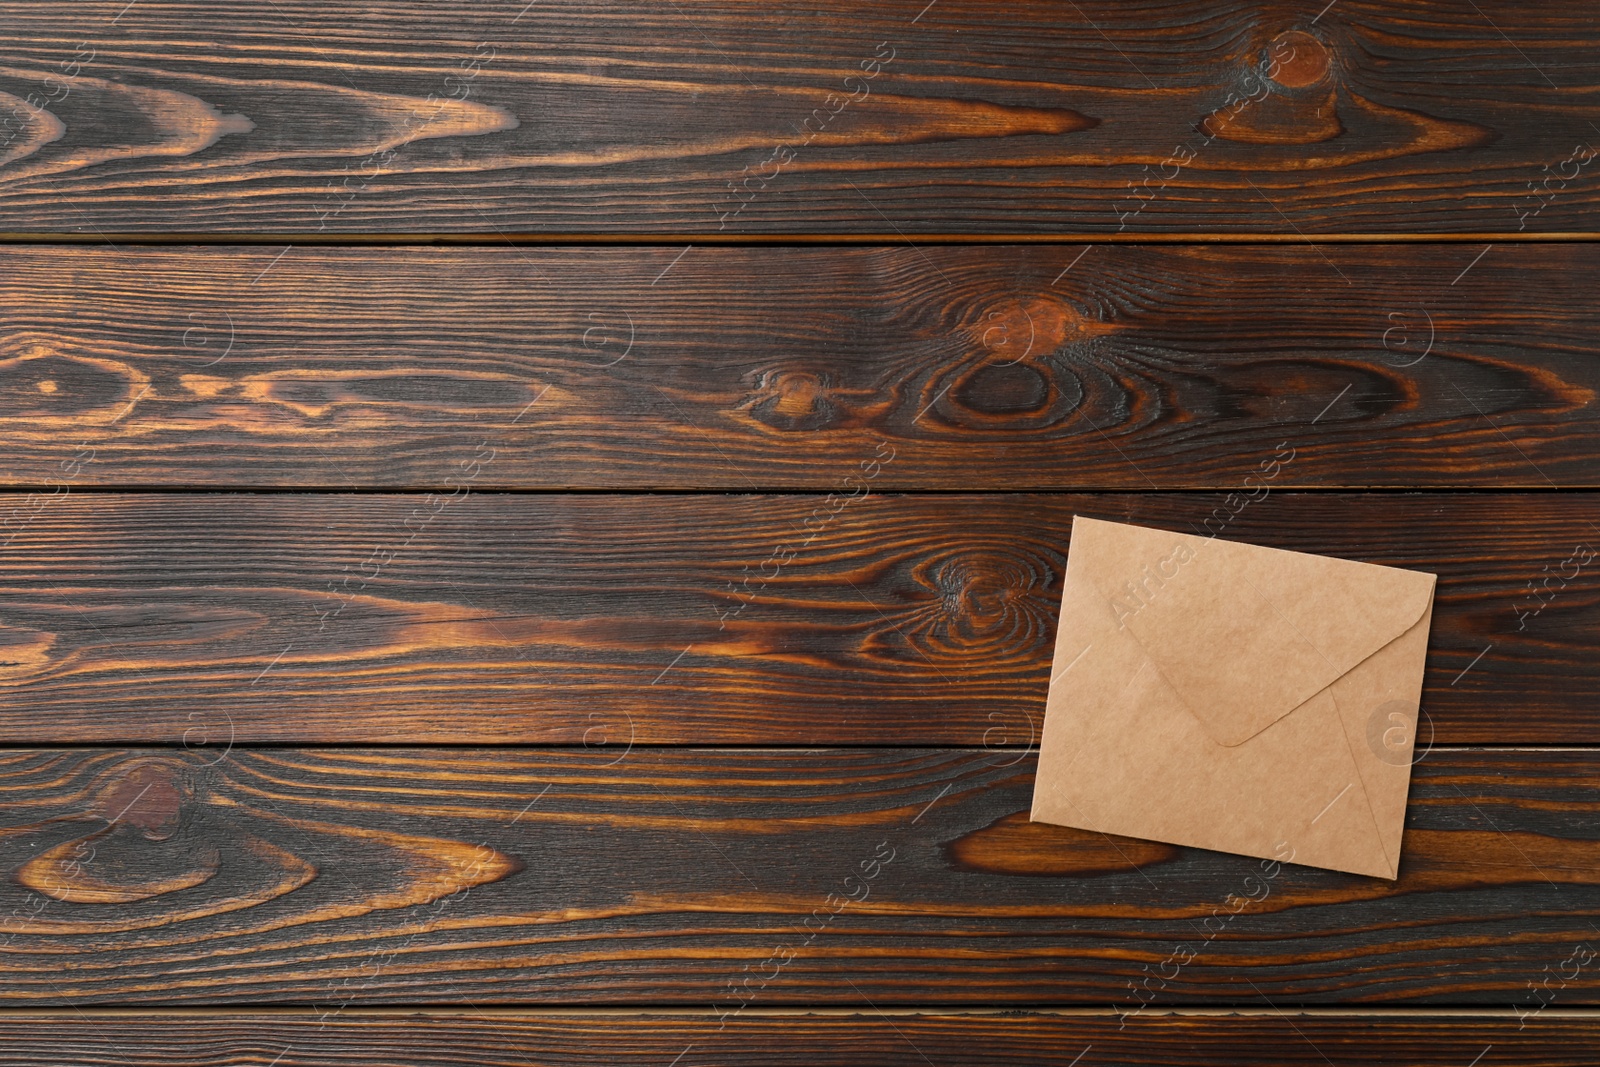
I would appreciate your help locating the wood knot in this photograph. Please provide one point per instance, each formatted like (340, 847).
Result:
(1032, 328)
(46, 386)
(1295, 59)
(787, 399)
(1286, 97)
(145, 850)
(1290, 94)
(990, 601)
(148, 797)
(1009, 377)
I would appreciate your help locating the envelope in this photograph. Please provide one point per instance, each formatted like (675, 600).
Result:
(1234, 697)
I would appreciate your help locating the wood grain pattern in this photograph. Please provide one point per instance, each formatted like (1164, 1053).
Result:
(723, 368)
(774, 903)
(1023, 1039)
(605, 620)
(709, 116)
(753, 878)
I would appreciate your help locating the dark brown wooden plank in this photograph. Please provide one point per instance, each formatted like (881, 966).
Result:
(709, 116)
(497, 618)
(729, 368)
(892, 1039)
(466, 877)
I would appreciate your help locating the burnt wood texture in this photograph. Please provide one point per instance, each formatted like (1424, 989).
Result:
(532, 533)
(1106, 367)
(755, 878)
(687, 619)
(885, 1039)
(906, 117)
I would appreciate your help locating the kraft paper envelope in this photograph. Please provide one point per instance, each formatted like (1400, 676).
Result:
(1234, 697)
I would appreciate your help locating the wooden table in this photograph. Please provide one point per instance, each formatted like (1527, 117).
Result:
(533, 532)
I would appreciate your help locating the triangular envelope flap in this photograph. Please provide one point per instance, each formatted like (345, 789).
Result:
(1245, 634)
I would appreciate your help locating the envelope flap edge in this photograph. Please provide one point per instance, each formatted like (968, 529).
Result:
(1245, 634)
